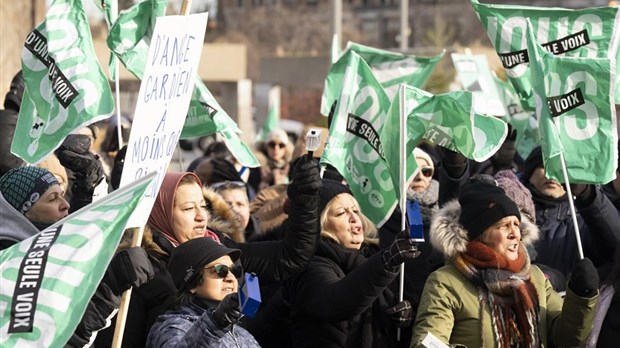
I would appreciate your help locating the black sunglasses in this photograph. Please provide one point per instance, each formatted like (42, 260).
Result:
(427, 171)
(222, 270)
(273, 144)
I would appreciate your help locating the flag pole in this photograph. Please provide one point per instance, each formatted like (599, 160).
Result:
(117, 83)
(572, 205)
(121, 317)
(402, 183)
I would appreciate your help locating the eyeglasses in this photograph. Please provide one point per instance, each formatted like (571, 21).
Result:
(227, 185)
(427, 171)
(222, 270)
(273, 144)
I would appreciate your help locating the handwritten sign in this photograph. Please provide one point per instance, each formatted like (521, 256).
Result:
(163, 101)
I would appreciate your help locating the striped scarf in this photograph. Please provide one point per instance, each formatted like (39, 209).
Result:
(505, 286)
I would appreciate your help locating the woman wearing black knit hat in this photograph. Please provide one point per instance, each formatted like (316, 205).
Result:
(206, 275)
(342, 299)
(488, 294)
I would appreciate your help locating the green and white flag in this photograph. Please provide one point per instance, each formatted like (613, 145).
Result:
(524, 122)
(448, 120)
(585, 33)
(65, 86)
(476, 76)
(47, 280)
(273, 113)
(130, 38)
(389, 68)
(353, 146)
(574, 103)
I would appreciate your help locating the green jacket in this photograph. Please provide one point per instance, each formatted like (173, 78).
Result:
(450, 307)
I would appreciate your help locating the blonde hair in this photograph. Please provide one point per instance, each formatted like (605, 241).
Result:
(370, 230)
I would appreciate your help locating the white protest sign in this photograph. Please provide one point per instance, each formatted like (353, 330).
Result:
(163, 101)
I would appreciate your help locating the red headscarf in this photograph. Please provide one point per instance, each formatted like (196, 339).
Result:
(161, 215)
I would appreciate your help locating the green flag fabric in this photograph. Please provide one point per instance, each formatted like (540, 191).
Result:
(389, 68)
(353, 146)
(447, 120)
(109, 12)
(574, 103)
(65, 86)
(524, 122)
(273, 113)
(586, 33)
(129, 39)
(47, 280)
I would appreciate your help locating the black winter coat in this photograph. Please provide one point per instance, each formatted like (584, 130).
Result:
(339, 300)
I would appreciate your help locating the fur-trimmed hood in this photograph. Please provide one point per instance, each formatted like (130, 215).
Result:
(222, 218)
(449, 237)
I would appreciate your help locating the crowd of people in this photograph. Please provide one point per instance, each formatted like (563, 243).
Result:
(499, 265)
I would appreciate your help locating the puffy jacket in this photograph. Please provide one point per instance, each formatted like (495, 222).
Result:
(192, 326)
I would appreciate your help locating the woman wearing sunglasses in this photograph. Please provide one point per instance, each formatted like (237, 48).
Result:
(205, 273)
(274, 155)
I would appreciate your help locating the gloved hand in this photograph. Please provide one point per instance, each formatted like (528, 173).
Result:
(453, 162)
(581, 191)
(401, 314)
(306, 180)
(73, 154)
(584, 280)
(402, 248)
(129, 267)
(227, 312)
(503, 158)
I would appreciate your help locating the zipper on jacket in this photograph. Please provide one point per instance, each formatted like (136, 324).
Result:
(232, 334)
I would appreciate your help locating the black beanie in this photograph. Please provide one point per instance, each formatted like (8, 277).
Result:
(329, 190)
(188, 259)
(533, 161)
(482, 205)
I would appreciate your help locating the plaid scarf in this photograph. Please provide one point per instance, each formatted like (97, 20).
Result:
(505, 285)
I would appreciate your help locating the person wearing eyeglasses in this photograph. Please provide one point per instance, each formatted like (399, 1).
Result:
(274, 155)
(205, 274)
(235, 194)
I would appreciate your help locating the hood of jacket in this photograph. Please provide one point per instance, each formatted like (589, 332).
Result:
(449, 237)
(14, 227)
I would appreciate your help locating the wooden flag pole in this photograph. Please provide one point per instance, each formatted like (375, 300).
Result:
(121, 317)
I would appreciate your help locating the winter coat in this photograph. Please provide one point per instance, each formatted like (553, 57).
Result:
(609, 335)
(598, 222)
(339, 299)
(451, 309)
(192, 326)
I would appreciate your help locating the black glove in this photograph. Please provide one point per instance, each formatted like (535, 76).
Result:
(584, 280)
(453, 162)
(401, 314)
(503, 158)
(228, 311)
(129, 267)
(74, 155)
(306, 179)
(402, 248)
(582, 191)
